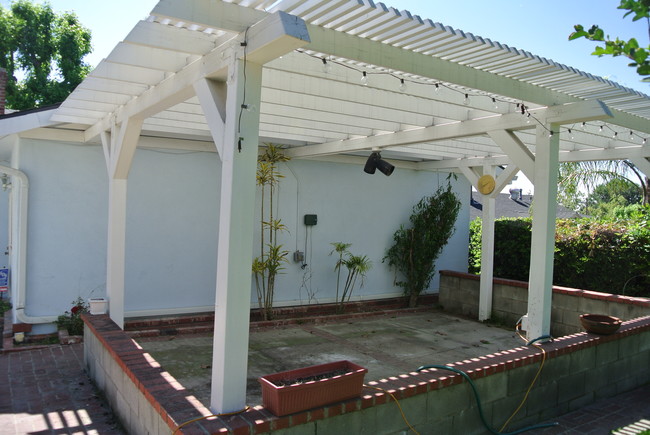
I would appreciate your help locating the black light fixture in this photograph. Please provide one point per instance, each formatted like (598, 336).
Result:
(375, 162)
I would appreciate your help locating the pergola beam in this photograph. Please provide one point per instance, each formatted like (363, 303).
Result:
(513, 121)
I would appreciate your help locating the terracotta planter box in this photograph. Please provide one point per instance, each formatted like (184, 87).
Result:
(301, 396)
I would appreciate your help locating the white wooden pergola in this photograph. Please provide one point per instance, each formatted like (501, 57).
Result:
(226, 75)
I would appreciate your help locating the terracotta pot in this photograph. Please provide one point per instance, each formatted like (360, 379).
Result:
(303, 395)
(600, 323)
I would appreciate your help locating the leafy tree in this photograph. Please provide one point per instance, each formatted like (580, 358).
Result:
(574, 176)
(613, 195)
(618, 47)
(46, 49)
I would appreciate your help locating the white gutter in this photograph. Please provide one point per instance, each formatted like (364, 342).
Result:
(19, 249)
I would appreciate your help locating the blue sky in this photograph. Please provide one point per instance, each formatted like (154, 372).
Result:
(540, 27)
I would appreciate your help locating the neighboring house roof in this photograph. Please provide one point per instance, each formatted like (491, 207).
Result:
(519, 207)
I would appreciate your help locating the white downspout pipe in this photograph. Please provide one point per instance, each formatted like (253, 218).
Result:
(19, 246)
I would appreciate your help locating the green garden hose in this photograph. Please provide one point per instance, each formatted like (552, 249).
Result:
(478, 401)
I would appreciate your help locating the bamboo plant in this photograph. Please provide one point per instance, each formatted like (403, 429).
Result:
(270, 262)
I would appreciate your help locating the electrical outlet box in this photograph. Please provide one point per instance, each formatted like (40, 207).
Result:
(298, 256)
(311, 219)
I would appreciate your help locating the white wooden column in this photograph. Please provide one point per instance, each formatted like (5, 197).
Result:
(235, 249)
(487, 251)
(540, 279)
(487, 231)
(119, 149)
(116, 249)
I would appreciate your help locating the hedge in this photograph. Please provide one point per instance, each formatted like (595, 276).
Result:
(612, 257)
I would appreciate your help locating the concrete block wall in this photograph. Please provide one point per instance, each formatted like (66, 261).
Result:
(578, 369)
(459, 294)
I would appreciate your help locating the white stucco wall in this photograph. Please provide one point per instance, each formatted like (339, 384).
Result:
(172, 223)
(66, 236)
(358, 208)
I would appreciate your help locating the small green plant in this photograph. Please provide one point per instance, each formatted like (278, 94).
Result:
(71, 320)
(4, 306)
(357, 267)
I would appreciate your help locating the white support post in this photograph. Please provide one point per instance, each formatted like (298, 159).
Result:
(235, 249)
(540, 282)
(120, 156)
(115, 264)
(487, 252)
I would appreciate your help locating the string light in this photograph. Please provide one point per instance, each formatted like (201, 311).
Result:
(364, 78)
(520, 106)
(327, 68)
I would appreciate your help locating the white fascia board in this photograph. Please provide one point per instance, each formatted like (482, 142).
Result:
(213, 14)
(28, 121)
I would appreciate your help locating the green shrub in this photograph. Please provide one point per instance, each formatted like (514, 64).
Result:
(606, 256)
(511, 248)
(416, 248)
(5, 305)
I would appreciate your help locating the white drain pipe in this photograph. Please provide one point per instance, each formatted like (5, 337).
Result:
(19, 246)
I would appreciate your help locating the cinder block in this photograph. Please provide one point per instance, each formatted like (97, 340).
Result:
(607, 352)
(468, 421)
(555, 368)
(571, 386)
(541, 397)
(599, 378)
(389, 419)
(503, 408)
(630, 345)
(519, 379)
(491, 388)
(584, 359)
(361, 422)
(644, 341)
(565, 302)
(581, 402)
(592, 306)
(447, 401)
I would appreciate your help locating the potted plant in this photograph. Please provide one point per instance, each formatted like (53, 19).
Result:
(310, 387)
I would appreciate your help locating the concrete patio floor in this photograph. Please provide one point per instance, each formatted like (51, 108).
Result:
(387, 345)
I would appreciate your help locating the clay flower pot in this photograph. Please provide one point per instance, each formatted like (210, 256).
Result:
(310, 387)
(600, 323)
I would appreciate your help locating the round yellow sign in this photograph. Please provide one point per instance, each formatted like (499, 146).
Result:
(486, 184)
